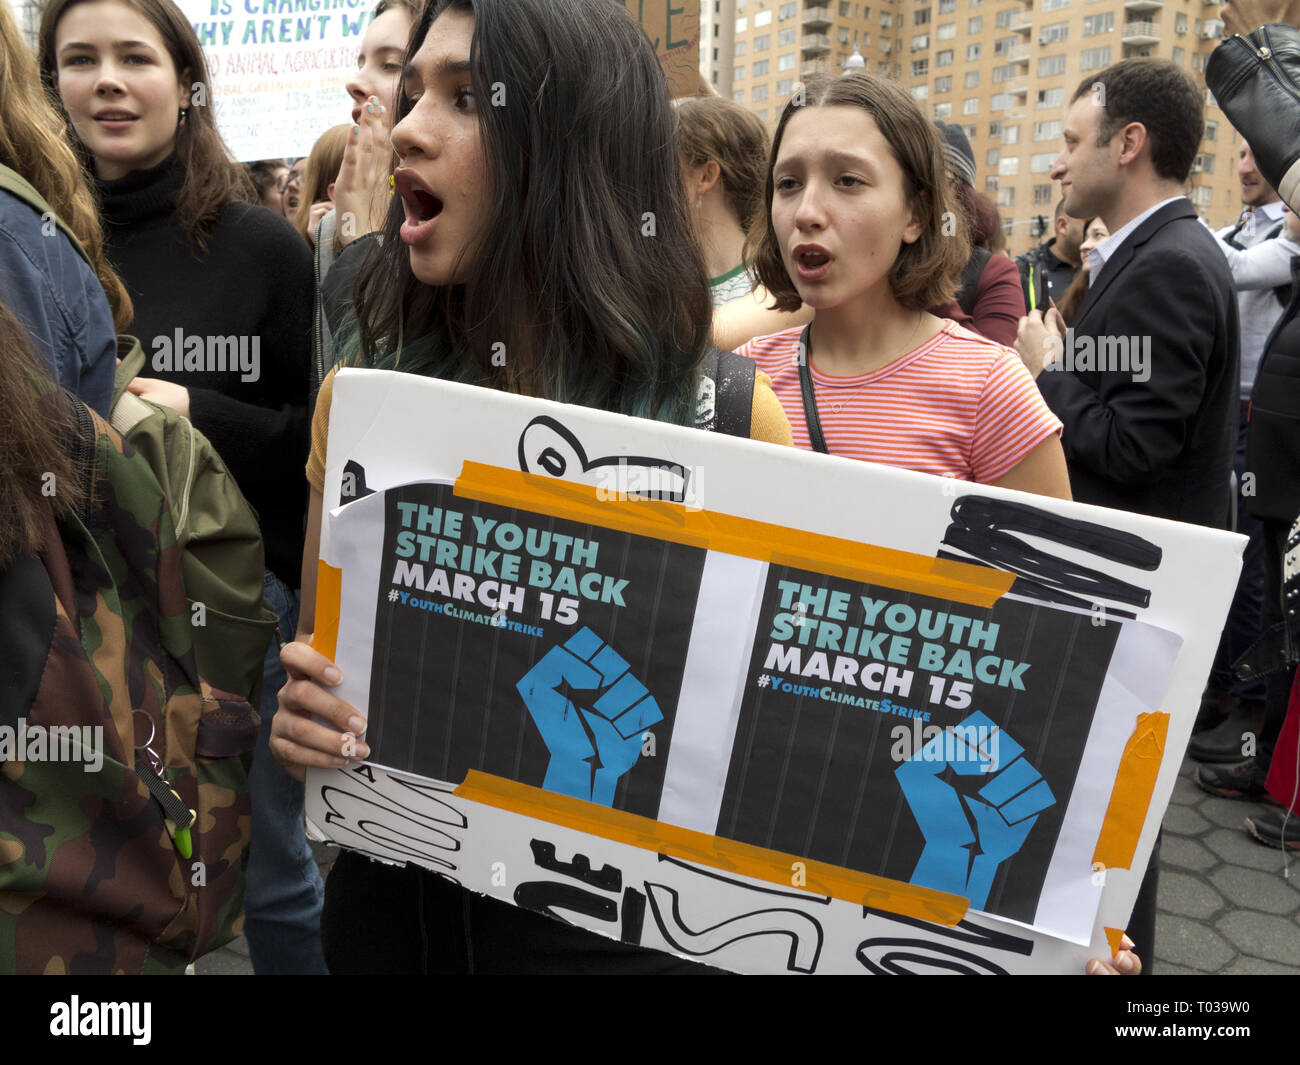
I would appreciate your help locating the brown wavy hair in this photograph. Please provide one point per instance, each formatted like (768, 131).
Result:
(212, 177)
(36, 426)
(322, 169)
(32, 142)
(710, 128)
(927, 272)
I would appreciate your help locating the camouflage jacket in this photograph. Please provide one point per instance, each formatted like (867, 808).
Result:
(91, 880)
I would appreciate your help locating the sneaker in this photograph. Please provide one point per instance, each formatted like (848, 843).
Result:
(1266, 827)
(1245, 781)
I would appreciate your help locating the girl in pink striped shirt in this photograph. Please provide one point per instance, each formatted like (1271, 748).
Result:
(861, 226)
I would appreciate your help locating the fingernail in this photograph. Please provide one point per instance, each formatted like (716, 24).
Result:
(370, 108)
(1124, 963)
(383, 110)
(356, 724)
(332, 675)
(356, 128)
(363, 750)
(1096, 968)
(1125, 943)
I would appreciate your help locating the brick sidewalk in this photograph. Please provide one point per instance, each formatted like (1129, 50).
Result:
(1223, 906)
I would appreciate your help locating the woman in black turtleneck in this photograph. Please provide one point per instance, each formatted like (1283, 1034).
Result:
(223, 296)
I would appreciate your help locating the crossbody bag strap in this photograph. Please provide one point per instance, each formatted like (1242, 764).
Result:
(806, 387)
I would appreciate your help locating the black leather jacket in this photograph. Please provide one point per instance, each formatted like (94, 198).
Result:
(1256, 80)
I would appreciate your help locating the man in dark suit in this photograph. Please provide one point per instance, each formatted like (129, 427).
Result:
(1146, 380)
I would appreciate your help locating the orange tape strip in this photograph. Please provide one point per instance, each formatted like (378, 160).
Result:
(819, 878)
(1131, 795)
(329, 595)
(1113, 936)
(958, 581)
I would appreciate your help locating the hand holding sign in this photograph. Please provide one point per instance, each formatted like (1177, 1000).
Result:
(591, 713)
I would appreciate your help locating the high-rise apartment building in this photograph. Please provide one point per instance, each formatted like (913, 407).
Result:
(1002, 69)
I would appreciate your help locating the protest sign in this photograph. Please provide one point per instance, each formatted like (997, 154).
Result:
(771, 709)
(279, 67)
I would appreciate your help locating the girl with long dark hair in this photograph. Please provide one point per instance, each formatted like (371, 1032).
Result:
(592, 309)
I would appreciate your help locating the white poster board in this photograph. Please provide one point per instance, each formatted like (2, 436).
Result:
(774, 710)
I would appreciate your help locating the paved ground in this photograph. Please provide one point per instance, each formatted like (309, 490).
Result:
(1224, 907)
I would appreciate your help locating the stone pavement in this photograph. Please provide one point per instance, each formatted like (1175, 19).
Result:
(1223, 908)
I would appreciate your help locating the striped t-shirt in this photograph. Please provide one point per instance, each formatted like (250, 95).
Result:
(958, 406)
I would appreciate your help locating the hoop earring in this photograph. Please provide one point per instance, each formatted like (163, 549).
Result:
(184, 113)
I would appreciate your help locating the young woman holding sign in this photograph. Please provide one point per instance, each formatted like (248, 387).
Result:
(621, 323)
(855, 202)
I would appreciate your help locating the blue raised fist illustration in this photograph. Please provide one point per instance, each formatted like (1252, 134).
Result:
(968, 836)
(591, 713)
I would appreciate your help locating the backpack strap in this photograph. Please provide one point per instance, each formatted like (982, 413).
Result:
(726, 395)
(13, 182)
(970, 278)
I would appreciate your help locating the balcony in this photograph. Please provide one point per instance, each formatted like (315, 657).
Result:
(815, 43)
(814, 17)
(1024, 26)
(1140, 33)
(1143, 5)
(817, 66)
(1016, 55)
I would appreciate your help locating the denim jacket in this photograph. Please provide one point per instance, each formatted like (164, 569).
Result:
(58, 298)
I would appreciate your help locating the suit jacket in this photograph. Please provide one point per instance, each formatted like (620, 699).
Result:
(1161, 446)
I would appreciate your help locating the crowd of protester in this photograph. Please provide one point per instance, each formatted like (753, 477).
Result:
(850, 257)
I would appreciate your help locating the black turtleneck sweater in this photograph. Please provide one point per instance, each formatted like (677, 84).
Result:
(254, 281)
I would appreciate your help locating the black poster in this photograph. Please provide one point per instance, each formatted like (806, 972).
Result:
(533, 648)
(912, 737)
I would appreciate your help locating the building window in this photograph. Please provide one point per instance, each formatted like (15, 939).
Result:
(885, 20)
(1006, 197)
(738, 74)
(785, 62)
(972, 79)
(759, 93)
(920, 16)
(843, 35)
(1178, 56)
(762, 18)
(975, 25)
(1009, 167)
(1094, 58)
(1211, 130)
(943, 110)
(921, 92)
(1006, 17)
(995, 129)
(742, 24)
(971, 106)
(763, 42)
(882, 69)
(739, 49)
(738, 96)
(786, 36)
(785, 87)
(1202, 196)
(992, 156)
(1050, 98)
(947, 7)
(1180, 22)
(1042, 194)
(972, 53)
(946, 32)
(920, 42)
(1047, 131)
(1095, 24)
(761, 67)
(1054, 33)
(1010, 134)
(943, 84)
(991, 183)
(1004, 73)
(1001, 101)
(944, 58)
(1005, 45)
(1042, 162)
(1203, 164)
(844, 9)
(1055, 5)
(969, 131)
(920, 68)
(1051, 65)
